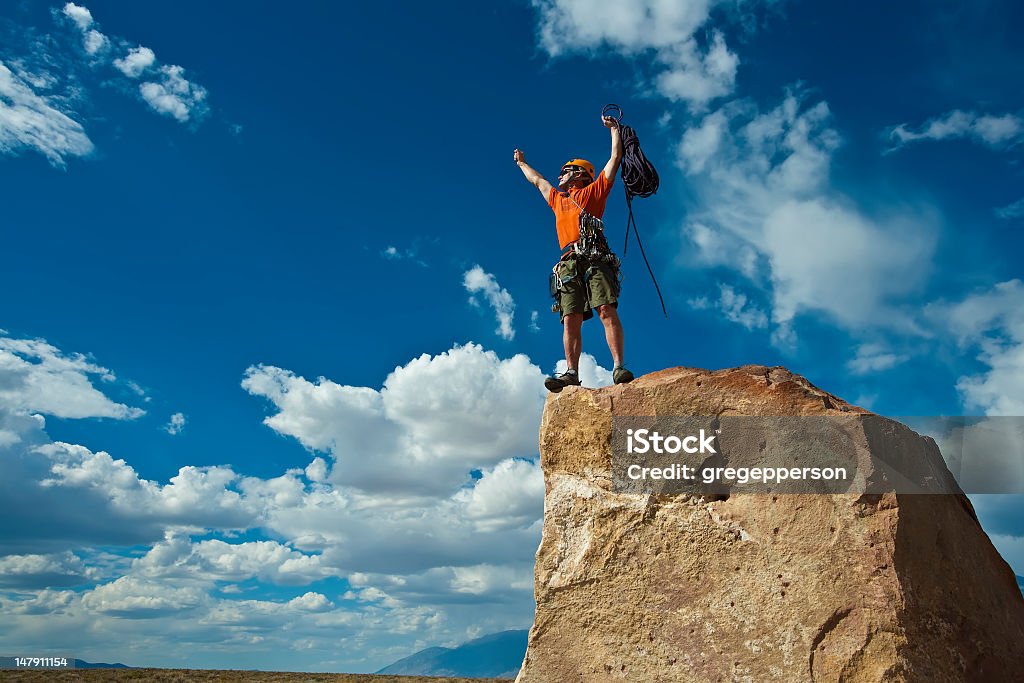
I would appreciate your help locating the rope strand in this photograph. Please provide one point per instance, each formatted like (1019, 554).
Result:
(640, 179)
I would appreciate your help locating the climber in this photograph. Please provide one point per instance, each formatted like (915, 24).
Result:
(586, 276)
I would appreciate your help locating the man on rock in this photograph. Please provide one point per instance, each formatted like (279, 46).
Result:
(586, 277)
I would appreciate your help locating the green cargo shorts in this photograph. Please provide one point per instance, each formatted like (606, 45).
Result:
(585, 285)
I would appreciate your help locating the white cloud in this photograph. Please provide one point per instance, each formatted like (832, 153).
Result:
(93, 40)
(1011, 211)
(310, 602)
(483, 579)
(317, 470)
(36, 571)
(992, 322)
(174, 95)
(176, 424)
(477, 280)
(766, 209)
(698, 77)
(700, 143)
(134, 598)
(44, 603)
(507, 495)
(37, 377)
(136, 61)
(196, 497)
(215, 560)
(81, 16)
(29, 121)
(534, 326)
(429, 560)
(873, 357)
(410, 253)
(995, 131)
(735, 306)
(435, 418)
(167, 92)
(672, 30)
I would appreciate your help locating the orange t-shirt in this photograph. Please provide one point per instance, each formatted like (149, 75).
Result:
(567, 215)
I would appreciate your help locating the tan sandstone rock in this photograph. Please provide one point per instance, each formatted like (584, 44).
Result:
(755, 587)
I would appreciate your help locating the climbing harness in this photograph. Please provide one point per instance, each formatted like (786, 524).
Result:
(591, 250)
(640, 179)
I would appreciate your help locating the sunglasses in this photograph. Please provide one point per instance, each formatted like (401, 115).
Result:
(574, 169)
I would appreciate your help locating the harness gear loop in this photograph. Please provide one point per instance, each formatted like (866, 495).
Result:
(591, 244)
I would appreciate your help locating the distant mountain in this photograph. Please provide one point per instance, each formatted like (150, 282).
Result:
(498, 655)
(81, 664)
(1020, 583)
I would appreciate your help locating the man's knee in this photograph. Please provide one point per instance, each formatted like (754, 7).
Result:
(607, 312)
(573, 321)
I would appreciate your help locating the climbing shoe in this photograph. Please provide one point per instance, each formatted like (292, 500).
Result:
(621, 375)
(556, 383)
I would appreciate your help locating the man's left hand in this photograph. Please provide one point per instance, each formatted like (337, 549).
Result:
(609, 122)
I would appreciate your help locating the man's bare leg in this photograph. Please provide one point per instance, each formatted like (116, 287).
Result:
(572, 339)
(612, 331)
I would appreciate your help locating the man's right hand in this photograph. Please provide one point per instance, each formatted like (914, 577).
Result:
(536, 179)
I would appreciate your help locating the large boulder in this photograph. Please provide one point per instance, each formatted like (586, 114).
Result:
(756, 587)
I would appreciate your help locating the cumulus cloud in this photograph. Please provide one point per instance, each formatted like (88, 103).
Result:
(37, 377)
(136, 61)
(174, 95)
(38, 571)
(421, 560)
(81, 16)
(176, 424)
(507, 495)
(994, 131)
(29, 121)
(215, 560)
(693, 62)
(133, 598)
(198, 497)
(766, 209)
(477, 280)
(435, 418)
(93, 40)
(991, 322)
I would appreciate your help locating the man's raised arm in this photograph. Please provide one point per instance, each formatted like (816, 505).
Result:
(536, 179)
(612, 167)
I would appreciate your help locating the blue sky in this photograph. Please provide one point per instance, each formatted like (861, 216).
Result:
(300, 231)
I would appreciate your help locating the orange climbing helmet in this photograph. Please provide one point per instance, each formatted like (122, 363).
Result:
(580, 163)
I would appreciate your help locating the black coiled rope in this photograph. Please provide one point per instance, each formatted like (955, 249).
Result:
(640, 180)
